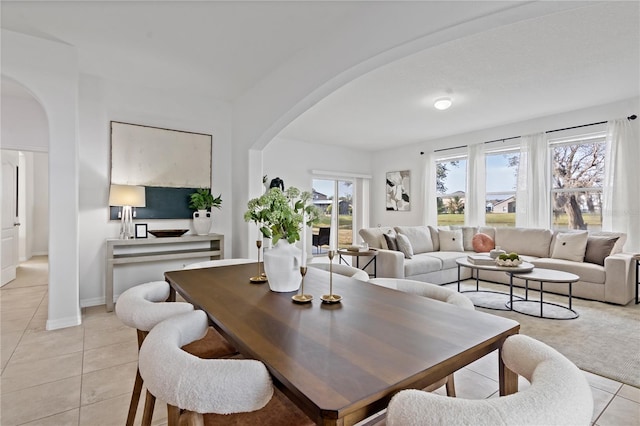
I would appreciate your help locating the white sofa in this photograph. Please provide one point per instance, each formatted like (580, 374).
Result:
(611, 282)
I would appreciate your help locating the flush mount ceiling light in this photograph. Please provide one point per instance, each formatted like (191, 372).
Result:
(442, 103)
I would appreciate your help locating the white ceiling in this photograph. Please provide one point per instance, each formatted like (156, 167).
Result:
(570, 60)
(563, 62)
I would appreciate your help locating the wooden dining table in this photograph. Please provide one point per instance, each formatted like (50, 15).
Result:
(341, 363)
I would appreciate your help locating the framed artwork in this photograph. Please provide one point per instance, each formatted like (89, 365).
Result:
(141, 230)
(170, 164)
(398, 190)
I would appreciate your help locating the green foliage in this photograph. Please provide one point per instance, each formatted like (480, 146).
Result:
(280, 214)
(203, 200)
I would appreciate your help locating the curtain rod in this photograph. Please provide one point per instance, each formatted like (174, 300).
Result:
(631, 117)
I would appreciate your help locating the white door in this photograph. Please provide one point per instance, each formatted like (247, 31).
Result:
(9, 252)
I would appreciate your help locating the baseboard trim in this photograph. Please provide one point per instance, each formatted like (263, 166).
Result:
(94, 301)
(64, 322)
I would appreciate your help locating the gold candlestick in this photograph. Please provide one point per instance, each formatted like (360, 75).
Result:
(302, 298)
(260, 278)
(331, 298)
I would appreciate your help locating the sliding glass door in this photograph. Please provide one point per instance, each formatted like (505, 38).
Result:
(334, 199)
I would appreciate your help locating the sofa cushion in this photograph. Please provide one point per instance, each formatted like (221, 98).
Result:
(435, 238)
(482, 243)
(570, 246)
(373, 236)
(419, 237)
(598, 248)
(447, 258)
(421, 264)
(467, 236)
(451, 240)
(588, 272)
(489, 230)
(622, 238)
(528, 241)
(404, 245)
(392, 244)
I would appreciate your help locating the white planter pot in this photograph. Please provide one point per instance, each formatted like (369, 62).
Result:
(282, 266)
(202, 222)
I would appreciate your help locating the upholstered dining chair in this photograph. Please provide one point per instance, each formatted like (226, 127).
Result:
(559, 394)
(142, 307)
(218, 262)
(432, 291)
(341, 269)
(209, 391)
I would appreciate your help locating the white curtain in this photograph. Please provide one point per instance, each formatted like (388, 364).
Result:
(533, 196)
(430, 207)
(621, 189)
(475, 196)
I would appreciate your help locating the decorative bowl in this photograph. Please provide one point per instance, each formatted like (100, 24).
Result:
(163, 233)
(509, 262)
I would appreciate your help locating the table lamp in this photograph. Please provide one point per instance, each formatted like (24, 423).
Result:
(126, 196)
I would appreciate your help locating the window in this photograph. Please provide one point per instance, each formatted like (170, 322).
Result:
(334, 195)
(577, 176)
(451, 185)
(501, 182)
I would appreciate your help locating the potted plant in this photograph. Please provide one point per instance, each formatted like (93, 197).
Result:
(202, 200)
(280, 215)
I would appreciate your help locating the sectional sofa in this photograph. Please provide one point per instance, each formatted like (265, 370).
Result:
(429, 254)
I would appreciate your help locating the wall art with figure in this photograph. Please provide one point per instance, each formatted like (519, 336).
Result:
(398, 190)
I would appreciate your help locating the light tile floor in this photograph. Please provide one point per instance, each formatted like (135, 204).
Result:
(84, 375)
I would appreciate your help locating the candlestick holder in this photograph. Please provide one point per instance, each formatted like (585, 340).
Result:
(331, 298)
(261, 278)
(302, 298)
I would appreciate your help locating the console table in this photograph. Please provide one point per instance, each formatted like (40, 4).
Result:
(120, 252)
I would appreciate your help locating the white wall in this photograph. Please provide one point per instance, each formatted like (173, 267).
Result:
(293, 161)
(39, 233)
(102, 101)
(409, 157)
(49, 71)
(24, 125)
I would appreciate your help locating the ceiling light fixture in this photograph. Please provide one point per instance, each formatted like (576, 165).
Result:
(442, 103)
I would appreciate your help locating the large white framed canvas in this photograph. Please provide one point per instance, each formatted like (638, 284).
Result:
(152, 156)
(398, 191)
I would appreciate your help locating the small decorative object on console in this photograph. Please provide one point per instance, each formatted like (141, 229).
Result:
(162, 233)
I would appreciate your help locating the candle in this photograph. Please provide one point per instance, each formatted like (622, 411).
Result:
(304, 237)
(334, 227)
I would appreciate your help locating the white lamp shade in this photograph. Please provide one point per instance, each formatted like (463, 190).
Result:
(127, 195)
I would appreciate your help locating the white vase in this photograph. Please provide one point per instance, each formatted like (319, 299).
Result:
(282, 266)
(202, 222)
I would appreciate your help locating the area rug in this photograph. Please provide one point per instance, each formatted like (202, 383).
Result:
(604, 339)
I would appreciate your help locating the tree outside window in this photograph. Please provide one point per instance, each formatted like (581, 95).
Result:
(577, 177)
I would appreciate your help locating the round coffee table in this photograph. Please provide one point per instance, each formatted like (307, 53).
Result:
(510, 270)
(545, 276)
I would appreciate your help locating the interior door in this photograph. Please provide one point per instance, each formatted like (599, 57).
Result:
(10, 224)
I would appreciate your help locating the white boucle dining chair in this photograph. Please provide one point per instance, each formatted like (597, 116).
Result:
(341, 269)
(210, 391)
(144, 306)
(559, 395)
(435, 292)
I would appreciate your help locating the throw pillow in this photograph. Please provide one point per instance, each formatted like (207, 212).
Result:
(570, 246)
(419, 237)
(404, 246)
(483, 243)
(451, 240)
(467, 236)
(598, 248)
(391, 241)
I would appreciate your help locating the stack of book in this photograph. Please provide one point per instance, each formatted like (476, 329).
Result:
(481, 259)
